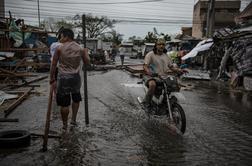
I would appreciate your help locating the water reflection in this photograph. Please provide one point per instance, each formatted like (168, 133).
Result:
(71, 149)
(242, 98)
(160, 146)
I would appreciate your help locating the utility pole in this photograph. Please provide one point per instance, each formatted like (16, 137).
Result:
(210, 18)
(2, 8)
(85, 71)
(38, 14)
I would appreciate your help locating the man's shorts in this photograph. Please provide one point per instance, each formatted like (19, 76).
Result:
(68, 86)
(147, 78)
(64, 100)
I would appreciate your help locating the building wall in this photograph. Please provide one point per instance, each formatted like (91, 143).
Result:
(2, 8)
(198, 19)
(225, 12)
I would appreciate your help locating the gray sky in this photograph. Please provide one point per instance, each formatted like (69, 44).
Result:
(137, 16)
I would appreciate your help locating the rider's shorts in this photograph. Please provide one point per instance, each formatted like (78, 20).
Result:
(147, 78)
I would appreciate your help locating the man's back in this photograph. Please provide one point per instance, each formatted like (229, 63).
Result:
(70, 57)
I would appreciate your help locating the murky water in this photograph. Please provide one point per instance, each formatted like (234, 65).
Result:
(219, 129)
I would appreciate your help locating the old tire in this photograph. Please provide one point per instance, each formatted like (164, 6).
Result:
(14, 138)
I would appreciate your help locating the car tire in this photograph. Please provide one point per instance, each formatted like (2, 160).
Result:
(14, 138)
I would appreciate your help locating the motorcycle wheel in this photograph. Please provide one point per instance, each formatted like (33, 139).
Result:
(179, 118)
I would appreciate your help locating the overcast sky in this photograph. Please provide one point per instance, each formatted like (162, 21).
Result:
(137, 16)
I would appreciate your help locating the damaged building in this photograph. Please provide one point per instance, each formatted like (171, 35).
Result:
(232, 48)
(225, 12)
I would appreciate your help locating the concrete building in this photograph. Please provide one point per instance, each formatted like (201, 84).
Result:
(225, 12)
(2, 8)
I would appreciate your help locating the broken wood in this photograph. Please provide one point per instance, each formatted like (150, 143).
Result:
(8, 120)
(7, 71)
(42, 135)
(17, 75)
(33, 86)
(31, 92)
(8, 110)
(135, 68)
(48, 117)
(29, 82)
(17, 66)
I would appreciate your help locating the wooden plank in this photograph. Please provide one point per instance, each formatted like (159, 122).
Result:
(42, 135)
(7, 71)
(18, 75)
(135, 69)
(29, 82)
(17, 65)
(35, 64)
(48, 117)
(23, 49)
(8, 110)
(8, 120)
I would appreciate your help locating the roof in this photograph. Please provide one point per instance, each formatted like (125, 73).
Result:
(247, 12)
(220, 4)
(126, 44)
(149, 44)
(184, 37)
(248, 28)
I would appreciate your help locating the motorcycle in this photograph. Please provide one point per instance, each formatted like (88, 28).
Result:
(165, 103)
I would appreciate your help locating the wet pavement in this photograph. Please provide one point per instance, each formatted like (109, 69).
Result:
(219, 129)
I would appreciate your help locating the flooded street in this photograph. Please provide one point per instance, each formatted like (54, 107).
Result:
(219, 128)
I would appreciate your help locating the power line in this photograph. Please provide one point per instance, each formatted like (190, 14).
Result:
(114, 13)
(103, 3)
(120, 18)
(144, 15)
(66, 6)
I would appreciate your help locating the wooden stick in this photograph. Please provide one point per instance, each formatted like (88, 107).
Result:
(18, 75)
(8, 120)
(29, 82)
(7, 71)
(42, 135)
(48, 117)
(16, 103)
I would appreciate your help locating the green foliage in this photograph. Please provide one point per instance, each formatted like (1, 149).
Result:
(151, 37)
(136, 40)
(113, 37)
(64, 23)
(97, 26)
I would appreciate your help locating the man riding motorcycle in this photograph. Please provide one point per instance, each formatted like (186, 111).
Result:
(159, 63)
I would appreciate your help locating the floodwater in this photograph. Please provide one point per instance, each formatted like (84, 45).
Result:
(219, 129)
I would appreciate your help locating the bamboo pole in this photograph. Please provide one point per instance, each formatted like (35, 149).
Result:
(48, 117)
